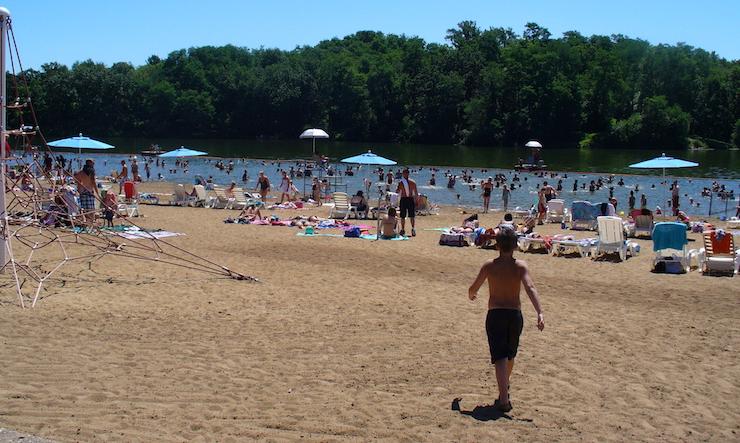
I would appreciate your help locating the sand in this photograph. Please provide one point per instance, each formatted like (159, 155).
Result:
(348, 339)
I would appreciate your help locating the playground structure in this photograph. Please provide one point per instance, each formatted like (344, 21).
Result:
(42, 228)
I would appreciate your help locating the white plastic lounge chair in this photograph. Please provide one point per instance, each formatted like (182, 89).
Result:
(423, 207)
(582, 247)
(341, 205)
(718, 257)
(219, 200)
(670, 246)
(612, 238)
(733, 223)
(556, 211)
(201, 197)
(239, 201)
(130, 199)
(526, 243)
(182, 198)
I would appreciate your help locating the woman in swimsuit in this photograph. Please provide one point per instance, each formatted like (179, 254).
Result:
(487, 188)
(263, 184)
(284, 188)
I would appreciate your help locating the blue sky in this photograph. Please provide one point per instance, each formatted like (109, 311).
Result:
(109, 31)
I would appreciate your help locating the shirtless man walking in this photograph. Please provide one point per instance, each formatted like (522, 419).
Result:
(408, 192)
(504, 321)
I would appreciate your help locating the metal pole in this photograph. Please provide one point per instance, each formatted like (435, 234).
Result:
(4, 20)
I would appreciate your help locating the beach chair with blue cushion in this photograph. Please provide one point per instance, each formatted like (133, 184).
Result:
(583, 215)
(670, 247)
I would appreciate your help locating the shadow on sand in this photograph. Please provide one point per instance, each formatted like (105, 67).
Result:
(485, 412)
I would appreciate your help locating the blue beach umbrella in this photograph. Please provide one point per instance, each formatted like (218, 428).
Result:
(80, 142)
(368, 158)
(182, 151)
(664, 162)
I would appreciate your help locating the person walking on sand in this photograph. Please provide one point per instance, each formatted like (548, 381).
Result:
(263, 185)
(408, 192)
(487, 189)
(504, 321)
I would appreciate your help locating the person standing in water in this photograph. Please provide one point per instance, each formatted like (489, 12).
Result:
(504, 322)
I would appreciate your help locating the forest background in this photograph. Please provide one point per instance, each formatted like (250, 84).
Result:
(489, 87)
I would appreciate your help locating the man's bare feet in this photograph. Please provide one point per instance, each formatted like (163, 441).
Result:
(501, 406)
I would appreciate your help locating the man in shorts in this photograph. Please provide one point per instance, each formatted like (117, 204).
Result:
(88, 190)
(504, 321)
(408, 192)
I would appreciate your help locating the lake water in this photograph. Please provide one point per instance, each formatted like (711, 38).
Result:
(713, 163)
(582, 165)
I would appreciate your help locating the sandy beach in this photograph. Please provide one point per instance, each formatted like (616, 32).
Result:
(349, 339)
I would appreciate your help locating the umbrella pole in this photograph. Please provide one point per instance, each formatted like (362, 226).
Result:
(313, 145)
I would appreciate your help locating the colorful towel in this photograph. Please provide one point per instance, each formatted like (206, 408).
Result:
(721, 242)
(374, 237)
(303, 234)
(147, 235)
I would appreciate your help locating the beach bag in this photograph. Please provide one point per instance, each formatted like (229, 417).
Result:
(453, 240)
(353, 232)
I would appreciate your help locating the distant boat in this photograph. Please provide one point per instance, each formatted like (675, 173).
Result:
(534, 160)
(153, 151)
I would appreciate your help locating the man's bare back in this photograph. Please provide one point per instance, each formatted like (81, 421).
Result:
(504, 283)
(505, 276)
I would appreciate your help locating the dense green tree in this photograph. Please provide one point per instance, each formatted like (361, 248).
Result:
(484, 87)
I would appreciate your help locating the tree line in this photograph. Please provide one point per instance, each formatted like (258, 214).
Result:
(482, 87)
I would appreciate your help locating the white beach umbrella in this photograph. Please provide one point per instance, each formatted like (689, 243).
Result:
(533, 144)
(313, 134)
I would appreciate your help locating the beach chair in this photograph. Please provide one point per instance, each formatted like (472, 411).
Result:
(342, 206)
(239, 201)
(643, 225)
(182, 198)
(423, 207)
(201, 197)
(563, 246)
(534, 241)
(130, 199)
(583, 215)
(718, 257)
(612, 238)
(219, 200)
(670, 247)
(556, 211)
(733, 223)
